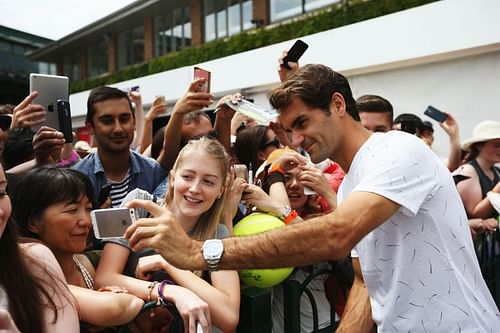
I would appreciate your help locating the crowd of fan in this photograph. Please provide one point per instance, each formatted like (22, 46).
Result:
(57, 277)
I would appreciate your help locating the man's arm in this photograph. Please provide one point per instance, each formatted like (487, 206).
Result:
(327, 237)
(357, 315)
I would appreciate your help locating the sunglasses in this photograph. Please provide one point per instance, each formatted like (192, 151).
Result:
(273, 142)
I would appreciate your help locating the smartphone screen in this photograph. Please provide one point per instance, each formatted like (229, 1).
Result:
(111, 222)
(435, 114)
(295, 52)
(202, 73)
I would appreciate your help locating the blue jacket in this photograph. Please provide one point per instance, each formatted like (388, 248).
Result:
(145, 172)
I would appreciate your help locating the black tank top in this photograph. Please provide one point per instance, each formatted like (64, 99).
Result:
(486, 183)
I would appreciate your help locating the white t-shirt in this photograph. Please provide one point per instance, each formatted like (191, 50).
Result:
(419, 266)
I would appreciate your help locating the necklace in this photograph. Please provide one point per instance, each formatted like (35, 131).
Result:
(89, 282)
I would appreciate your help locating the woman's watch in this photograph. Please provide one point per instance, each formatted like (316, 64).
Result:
(212, 251)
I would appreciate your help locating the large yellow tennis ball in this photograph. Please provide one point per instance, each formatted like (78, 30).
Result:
(253, 224)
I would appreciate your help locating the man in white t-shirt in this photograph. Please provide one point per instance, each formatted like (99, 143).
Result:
(398, 208)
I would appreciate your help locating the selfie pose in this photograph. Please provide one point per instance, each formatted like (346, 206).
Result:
(397, 207)
(195, 198)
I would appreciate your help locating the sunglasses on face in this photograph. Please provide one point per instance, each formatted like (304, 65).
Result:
(275, 142)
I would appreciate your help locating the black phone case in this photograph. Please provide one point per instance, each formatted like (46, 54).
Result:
(64, 115)
(435, 114)
(295, 52)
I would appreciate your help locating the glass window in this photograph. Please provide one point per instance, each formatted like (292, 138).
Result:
(97, 58)
(226, 17)
(172, 30)
(71, 65)
(281, 9)
(130, 47)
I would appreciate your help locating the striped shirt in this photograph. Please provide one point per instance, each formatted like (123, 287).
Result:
(118, 190)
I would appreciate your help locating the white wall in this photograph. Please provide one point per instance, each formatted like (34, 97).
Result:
(445, 53)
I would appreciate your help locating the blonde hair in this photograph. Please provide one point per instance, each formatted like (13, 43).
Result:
(206, 226)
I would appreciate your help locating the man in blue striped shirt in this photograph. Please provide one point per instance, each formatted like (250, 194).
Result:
(110, 118)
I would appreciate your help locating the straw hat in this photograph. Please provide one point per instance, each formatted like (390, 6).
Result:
(484, 131)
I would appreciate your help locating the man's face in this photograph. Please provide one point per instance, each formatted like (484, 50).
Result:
(318, 134)
(375, 121)
(196, 129)
(114, 125)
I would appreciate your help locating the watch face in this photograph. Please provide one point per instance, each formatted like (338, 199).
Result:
(212, 248)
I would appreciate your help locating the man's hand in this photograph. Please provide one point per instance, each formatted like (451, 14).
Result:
(47, 145)
(283, 72)
(162, 233)
(28, 115)
(193, 100)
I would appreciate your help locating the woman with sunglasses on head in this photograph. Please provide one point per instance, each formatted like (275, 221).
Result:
(254, 144)
(32, 285)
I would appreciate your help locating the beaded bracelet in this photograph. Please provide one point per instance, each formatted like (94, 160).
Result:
(161, 298)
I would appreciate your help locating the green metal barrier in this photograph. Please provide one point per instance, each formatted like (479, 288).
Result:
(255, 311)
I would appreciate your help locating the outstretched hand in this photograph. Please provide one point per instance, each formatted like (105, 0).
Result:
(163, 234)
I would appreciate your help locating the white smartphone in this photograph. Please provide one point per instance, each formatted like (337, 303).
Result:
(199, 329)
(111, 222)
(51, 88)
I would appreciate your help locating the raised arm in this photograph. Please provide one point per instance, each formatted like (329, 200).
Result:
(450, 126)
(158, 106)
(327, 237)
(191, 101)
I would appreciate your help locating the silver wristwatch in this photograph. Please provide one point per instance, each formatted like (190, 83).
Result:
(212, 251)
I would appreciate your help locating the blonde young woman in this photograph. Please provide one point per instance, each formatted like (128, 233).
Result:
(196, 196)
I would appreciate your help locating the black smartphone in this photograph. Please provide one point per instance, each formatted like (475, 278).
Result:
(295, 52)
(435, 114)
(64, 116)
(409, 126)
(103, 194)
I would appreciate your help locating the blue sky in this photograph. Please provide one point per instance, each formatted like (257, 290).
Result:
(55, 19)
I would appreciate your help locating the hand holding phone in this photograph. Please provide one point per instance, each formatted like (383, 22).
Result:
(295, 52)
(111, 222)
(200, 73)
(435, 114)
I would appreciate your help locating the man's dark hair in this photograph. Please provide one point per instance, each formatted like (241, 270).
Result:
(411, 117)
(314, 84)
(195, 117)
(375, 103)
(101, 94)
